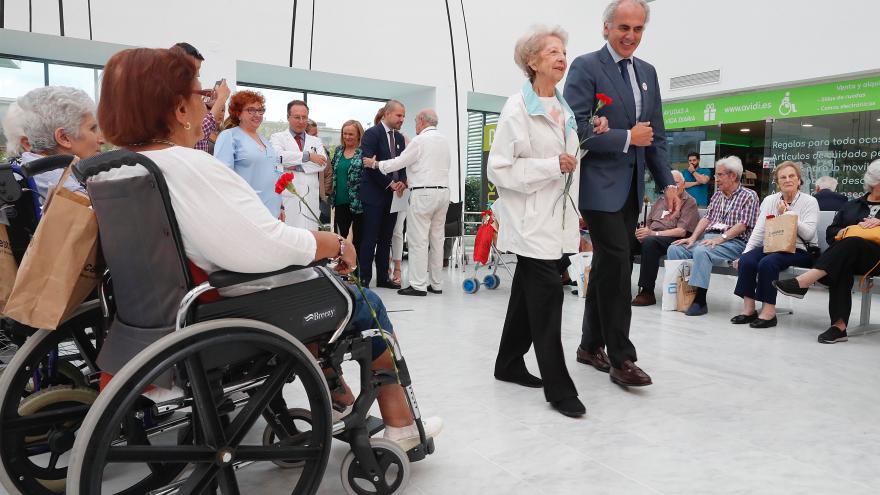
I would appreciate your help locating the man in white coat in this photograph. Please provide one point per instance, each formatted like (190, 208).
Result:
(426, 159)
(308, 161)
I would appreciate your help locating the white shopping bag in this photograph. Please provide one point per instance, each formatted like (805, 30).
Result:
(579, 271)
(671, 269)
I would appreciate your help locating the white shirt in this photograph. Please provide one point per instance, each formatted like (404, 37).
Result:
(634, 84)
(223, 223)
(306, 177)
(426, 159)
(804, 206)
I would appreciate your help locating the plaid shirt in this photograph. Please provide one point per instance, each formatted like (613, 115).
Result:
(209, 126)
(742, 207)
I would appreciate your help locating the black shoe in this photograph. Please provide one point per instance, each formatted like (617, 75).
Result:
(412, 291)
(571, 407)
(790, 287)
(697, 309)
(526, 380)
(743, 319)
(432, 290)
(832, 336)
(761, 323)
(387, 285)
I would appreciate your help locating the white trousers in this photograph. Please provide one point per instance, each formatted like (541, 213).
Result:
(425, 225)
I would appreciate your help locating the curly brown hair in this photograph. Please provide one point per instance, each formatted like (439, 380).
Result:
(237, 104)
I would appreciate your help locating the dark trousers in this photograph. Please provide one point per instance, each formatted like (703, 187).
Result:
(344, 219)
(652, 248)
(534, 316)
(757, 271)
(607, 310)
(852, 256)
(378, 227)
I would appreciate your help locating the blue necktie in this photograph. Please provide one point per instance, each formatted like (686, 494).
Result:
(624, 71)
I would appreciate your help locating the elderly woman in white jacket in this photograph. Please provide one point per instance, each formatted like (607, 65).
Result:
(533, 153)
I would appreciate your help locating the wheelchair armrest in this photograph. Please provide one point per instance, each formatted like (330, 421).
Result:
(46, 164)
(223, 278)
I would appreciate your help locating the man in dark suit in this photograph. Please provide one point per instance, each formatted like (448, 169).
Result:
(828, 199)
(383, 141)
(612, 180)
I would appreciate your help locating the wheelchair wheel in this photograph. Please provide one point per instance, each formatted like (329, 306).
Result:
(224, 438)
(44, 399)
(394, 470)
(492, 281)
(470, 285)
(302, 419)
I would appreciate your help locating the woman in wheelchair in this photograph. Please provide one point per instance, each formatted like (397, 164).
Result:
(57, 120)
(152, 103)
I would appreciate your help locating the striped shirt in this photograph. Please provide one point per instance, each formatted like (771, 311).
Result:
(741, 207)
(209, 126)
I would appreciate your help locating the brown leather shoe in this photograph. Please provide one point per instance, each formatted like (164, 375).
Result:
(629, 375)
(644, 298)
(597, 359)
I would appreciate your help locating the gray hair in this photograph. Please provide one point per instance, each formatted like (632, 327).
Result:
(49, 108)
(872, 175)
(733, 164)
(826, 182)
(677, 173)
(428, 116)
(611, 11)
(13, 129)
(532, 43)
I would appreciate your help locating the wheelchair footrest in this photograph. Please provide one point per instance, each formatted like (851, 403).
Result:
(374, 425)
(420, 451)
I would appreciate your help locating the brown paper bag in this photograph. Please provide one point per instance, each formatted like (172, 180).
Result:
(780, 234)
(685, 292)
(8, 267)
(59, 268)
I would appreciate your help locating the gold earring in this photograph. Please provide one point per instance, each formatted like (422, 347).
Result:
(187, 126)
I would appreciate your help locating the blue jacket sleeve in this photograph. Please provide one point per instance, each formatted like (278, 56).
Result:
(656, 155)
(580, 93)
(224, 149)
(370, 147)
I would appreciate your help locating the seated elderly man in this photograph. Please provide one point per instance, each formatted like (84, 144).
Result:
(661, 230)
(721, 235)
(828, 199)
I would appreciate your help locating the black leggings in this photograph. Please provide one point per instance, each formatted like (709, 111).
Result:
(846, 258)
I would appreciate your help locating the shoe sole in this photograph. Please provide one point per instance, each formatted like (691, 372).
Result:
(624, 384)
(584, 361)
(571, 414)
(523, 384)
(842, 339)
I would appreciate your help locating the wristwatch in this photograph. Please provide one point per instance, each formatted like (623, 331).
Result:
(724, 236)
(341, 246)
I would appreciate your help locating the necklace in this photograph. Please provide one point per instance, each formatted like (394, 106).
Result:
(152, 141)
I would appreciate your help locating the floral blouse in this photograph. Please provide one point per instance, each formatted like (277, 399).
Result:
(354, 178)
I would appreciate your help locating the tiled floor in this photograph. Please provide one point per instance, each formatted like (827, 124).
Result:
(732, 410)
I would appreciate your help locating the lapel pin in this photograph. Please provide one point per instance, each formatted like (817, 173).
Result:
(644, 86)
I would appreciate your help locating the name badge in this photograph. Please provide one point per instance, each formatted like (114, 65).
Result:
(663, 215)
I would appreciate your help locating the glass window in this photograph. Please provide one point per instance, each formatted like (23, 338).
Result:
(17, 77)
(330, 112)
(84, 78)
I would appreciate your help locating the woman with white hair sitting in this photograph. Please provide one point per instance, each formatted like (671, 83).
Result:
(844, 259)
(57, 120)
(721, 235)
(16, 142)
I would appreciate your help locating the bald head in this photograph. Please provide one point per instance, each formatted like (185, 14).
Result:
(426, 118)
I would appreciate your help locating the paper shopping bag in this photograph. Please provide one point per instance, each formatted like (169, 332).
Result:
(780, 234)
(671, 268)
(8, 267)
(60, 267)
(685, 293)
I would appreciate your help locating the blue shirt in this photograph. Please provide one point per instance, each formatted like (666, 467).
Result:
(256, 166)
(699, 192)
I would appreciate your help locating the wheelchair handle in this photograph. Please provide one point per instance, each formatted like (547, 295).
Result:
(110, 160)
(47, 164)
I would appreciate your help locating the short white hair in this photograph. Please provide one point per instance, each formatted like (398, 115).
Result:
(13, 130)
(49, 108)
(872, 175)
(529, 45)
(611, 11)
(677, 173)
(428, 116)
(826, 182)
(731, 163)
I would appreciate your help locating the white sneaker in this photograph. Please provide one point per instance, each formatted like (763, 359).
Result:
(407, 437)
(337, 416)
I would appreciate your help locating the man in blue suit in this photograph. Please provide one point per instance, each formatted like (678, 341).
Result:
(383, 141)
(612, 180)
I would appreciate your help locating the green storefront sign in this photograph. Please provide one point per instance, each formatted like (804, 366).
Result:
(858, 95)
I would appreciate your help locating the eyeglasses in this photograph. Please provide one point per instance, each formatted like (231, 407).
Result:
(255, 111)
(207, 94)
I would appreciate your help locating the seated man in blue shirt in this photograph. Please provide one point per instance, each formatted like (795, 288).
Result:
(696, 180)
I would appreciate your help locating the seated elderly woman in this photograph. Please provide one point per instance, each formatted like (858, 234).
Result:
(151, 103)
(757, 269)
(721, 235)
(845, 258)
(16, 142)
(58, 120)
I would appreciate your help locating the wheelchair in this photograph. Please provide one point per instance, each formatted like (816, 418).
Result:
(207, 357)
(51, 372)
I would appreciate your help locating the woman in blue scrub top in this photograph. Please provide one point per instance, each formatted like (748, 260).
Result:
(248, 153)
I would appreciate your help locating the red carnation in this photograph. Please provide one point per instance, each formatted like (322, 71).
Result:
(285, 179)
(605, 99)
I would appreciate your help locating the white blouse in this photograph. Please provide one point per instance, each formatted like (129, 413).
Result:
(804, 206)
(223, 223)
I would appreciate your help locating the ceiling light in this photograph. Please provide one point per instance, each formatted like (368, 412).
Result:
(745, 129)
(806, 125)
